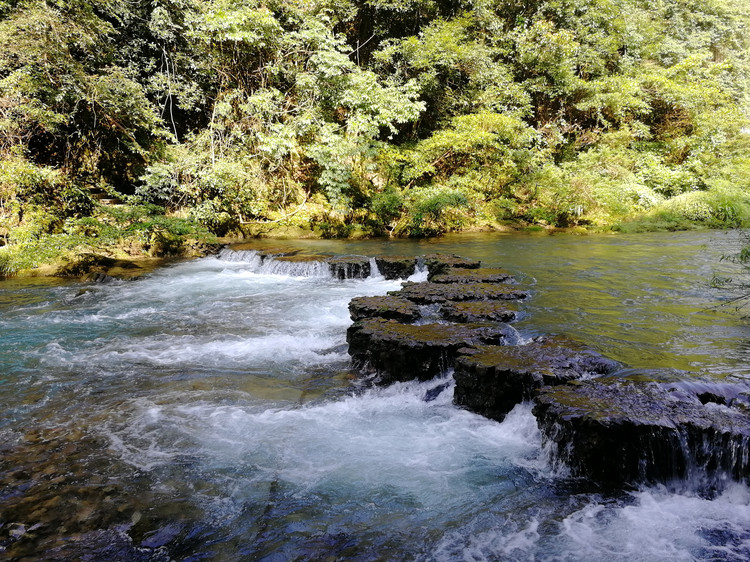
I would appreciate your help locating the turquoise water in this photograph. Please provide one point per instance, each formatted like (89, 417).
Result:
(208, 412)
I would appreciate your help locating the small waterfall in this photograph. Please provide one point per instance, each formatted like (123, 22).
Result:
(515, 337)
(430, 314)
(312, 268)
(420, 271)
(375, 272)
(618, 432)
(271, 265)
(250, 257)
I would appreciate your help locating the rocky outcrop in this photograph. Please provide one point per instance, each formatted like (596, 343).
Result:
(389, 307)
(396, 267)
(440, 263)
(350, 267)
(480, 311)
(491, 380)
(401, 352)
(482, 275)
(98, 268)
(436, 293)
(613, 431)
(384, 340)
(618, 432)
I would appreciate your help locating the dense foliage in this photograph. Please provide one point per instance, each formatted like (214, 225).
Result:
(405, 116)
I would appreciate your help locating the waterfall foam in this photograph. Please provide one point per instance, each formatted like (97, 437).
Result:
(271, 265)
(207, 409)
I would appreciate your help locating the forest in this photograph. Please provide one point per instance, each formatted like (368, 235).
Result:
(139, 126)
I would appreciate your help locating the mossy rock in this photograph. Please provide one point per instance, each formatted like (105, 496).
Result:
(491, 380)
(432, 293)
(618, 432)
(85, 264)
(440, 263)
(350, 267)
(480, 311)
(400, 352)
(393, 308)
(480, 275)
(396, 267)
(200, 248)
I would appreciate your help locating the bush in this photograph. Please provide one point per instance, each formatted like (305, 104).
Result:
(437, 210)
(715, 207)
(387, 206)
(211, 215)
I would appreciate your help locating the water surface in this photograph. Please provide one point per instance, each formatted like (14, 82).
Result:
(208, 411)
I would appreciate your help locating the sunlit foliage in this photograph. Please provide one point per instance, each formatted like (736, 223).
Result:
(412, 117)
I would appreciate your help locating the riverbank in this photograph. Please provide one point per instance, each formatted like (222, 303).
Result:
(138, 243)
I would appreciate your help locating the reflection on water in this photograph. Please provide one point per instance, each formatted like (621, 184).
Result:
(207, 411)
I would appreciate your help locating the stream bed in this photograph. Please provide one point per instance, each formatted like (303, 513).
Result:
(208, 411)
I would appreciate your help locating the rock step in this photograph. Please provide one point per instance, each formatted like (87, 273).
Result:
(491, 380)
(402, 352)
(480, 311)
(436, 293)
(350, 267)
(389, 307)
(613, 431)
(396, 267)
(440, 263)
(477, 275)
(619, 432)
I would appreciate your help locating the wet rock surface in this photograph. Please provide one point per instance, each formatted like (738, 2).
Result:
(618, 432)
(613, 426)
(440, 263)
(350, 267)
(478, 275)
(491, 380)
(401, 352)
(480, 311)
(390, 307)
(396, 267)
(431, 293)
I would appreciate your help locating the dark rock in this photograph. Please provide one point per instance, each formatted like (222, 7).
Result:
(401, 352)
(481, 275)
(394, 308)
(396, 267)
(491, 380)
(102, 278)
(618, 432)
(433, 393)
(479, 311)
(440, 263)
(431, 293)
(350, 267)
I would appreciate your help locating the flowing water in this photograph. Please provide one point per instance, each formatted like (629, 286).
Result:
(207, 411)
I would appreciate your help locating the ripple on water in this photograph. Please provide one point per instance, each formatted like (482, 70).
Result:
(205, 410)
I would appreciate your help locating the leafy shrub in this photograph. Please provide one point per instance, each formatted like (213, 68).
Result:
(211, 215)
(715, 207)
(437, 210)
(387, 206)
(503, 208)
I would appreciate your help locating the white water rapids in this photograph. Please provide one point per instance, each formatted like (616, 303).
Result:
(219, 390)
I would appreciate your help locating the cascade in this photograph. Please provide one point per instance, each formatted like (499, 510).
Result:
(209, 409)
(609, 428)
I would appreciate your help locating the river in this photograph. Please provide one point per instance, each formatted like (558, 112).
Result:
(207, 411)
